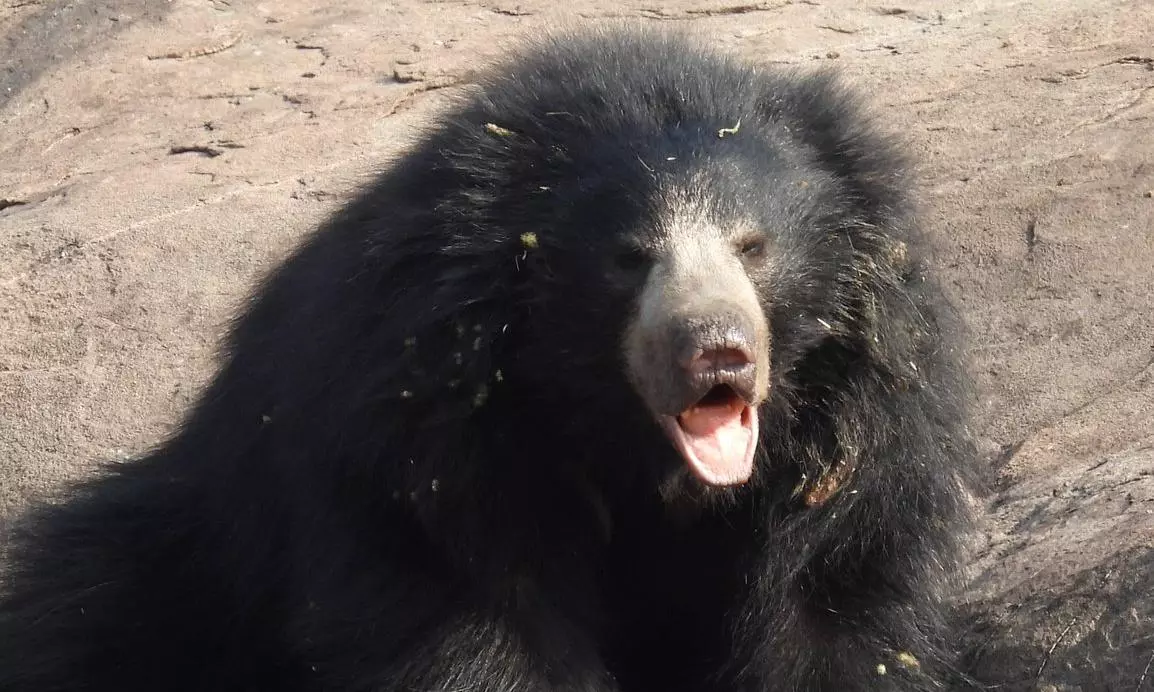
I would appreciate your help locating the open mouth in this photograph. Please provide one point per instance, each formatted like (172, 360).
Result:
(717, 436)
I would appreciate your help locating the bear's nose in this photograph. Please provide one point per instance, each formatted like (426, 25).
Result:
(716, 352)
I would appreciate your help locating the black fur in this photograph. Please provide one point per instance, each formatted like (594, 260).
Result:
(422, 467)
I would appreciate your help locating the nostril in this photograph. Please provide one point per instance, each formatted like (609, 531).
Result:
(719, 359)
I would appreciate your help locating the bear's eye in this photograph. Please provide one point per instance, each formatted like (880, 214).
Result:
(631, 259)
(753, 248)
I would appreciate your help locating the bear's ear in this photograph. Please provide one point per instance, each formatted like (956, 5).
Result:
(836, 123)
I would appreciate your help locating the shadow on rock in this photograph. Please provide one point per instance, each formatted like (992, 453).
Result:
(1063, 595)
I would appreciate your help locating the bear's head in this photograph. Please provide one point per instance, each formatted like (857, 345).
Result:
(679, 246)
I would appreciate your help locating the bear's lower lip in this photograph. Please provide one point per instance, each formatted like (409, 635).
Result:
(717, 437)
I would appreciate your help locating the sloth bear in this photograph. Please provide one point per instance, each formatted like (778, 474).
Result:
(626, 377)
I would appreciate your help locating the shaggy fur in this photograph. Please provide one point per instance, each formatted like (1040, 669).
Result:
(423, 465)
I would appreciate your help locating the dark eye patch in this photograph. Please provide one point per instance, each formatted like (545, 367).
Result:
(752, 247)
(631, 259)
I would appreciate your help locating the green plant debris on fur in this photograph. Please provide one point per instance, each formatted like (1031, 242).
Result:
(494, 128)
(729, 130)
(908, 660)
(797, 489)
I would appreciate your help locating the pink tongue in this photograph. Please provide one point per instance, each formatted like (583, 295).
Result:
(720, 441)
